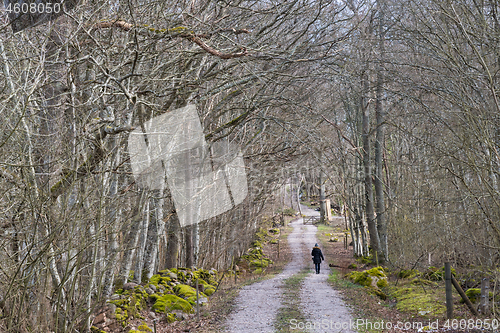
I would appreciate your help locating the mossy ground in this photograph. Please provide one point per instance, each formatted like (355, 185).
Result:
(418, 301)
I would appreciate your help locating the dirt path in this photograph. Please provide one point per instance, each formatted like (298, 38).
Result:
(257, 304)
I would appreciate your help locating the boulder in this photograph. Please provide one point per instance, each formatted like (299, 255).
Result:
(130, 286)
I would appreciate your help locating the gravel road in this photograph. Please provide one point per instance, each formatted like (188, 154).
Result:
(257, 304)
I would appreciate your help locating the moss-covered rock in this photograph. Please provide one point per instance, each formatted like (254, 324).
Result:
(377, 292)
(374, 279)
(170, 317)
(143, 328)
(474, 295)
(407, 273)
(209, 289)
(183, 290)
(368, 278)
(121, 316)
(436, 274)
(352, 266)
(365, 260)
(261, 263)
(169, 302)
(202, 299)
(382, 283)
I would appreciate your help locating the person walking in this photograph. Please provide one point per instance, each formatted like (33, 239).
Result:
(317, 257)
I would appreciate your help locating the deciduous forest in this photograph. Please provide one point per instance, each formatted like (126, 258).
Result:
(388, 108)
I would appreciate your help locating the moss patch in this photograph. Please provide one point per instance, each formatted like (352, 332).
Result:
(168, 303)
(373, 279)
(414, 300)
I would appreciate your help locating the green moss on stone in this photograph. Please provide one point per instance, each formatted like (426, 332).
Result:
(257, 271)
(407, 273)
(155, 279)
(184, 290)
(169, 302)
(382, 283)
(170, 317)
(209, 289)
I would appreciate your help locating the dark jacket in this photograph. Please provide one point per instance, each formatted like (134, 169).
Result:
(317, 255)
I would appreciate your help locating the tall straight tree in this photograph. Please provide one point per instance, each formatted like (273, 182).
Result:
(380, 136)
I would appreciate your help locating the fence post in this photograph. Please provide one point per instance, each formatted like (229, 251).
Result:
(485, 296)
(449, 298)
(197, 302)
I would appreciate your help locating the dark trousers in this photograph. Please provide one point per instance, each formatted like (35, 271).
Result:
(317, 267)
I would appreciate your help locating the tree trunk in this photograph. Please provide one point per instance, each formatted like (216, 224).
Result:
(132, 239)
(379, 142)
(172, 241)
(143, 238)
(188, 241)
(155, 231)
(370, 215)
(322, 203)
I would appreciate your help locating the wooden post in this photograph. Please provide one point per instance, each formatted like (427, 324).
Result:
(449, 298)
(485, 296)
(464, 296)
(197, 302)
(279, 245)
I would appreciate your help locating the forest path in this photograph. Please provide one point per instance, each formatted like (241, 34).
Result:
(257, 304)
(322, 306)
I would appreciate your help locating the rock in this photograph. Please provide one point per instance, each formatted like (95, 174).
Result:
(149, 291)
(115, 326)
(130, 286)
(172, 275)
(169, 302)
(100, 318)
(212, 271)
(115, 297)
(152, 315)
(184, 290)
(153, 287)
(111, 310)
(179, 315)
(333, 239)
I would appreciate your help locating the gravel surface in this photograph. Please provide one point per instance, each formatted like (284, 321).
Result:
(321, 303)
(257, 304)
